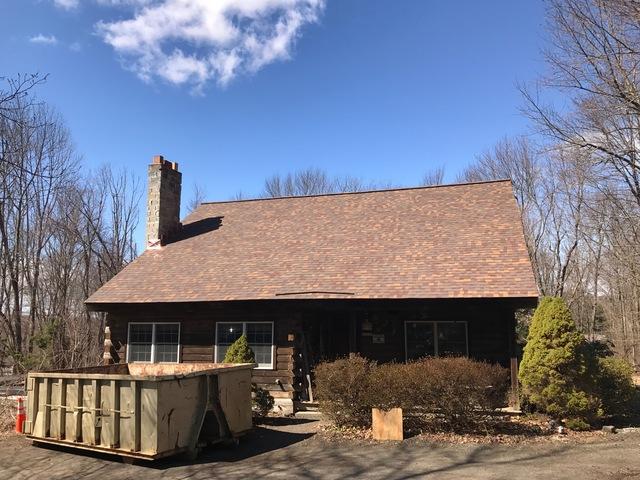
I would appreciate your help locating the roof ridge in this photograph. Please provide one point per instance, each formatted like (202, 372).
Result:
(335, 194)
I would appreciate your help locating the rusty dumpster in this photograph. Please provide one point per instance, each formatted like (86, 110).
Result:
(140, 410)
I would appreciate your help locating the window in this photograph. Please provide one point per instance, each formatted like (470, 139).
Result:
(423, 339)
(259, 335)
(153, 342)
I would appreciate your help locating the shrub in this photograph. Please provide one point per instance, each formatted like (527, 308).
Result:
(342, 389)
(392, 385)
(577, 424)
(554, 372)
(239, 352)
(262, 401)
(456, 390)
(615, 385)
(462, 390)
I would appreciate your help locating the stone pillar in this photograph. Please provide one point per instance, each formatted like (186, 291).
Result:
(163, 201)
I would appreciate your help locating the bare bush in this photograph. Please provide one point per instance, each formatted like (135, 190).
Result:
(443, 393)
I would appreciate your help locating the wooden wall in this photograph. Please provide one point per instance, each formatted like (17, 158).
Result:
(197, 333)
(332, 328)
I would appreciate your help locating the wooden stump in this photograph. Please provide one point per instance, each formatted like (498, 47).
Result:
(387, 424)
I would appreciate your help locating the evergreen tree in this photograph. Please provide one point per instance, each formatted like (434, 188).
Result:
(240, 352)
(555, 373)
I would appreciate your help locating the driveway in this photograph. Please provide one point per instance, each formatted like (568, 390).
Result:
(290, 449)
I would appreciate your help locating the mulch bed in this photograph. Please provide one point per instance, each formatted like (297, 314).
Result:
(510, 431)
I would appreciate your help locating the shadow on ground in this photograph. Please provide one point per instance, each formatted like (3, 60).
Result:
(261, 439)
(264, 438)
(289, 448)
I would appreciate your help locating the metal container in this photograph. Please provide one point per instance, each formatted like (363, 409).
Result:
(138, 410)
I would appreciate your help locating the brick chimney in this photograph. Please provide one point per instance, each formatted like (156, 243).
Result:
(163, 201)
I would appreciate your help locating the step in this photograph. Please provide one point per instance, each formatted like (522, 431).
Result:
(307, 415)
(307, 407)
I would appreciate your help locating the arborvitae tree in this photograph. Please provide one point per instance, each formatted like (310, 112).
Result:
(556, 374)
(240, 352)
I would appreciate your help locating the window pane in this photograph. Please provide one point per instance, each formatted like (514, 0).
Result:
(166, 348)
(262, 354)
(229, 333)
(141, 333)
(259, 334)
(452, 338)
(139, 352)
(222, 351)
(140, 338)
(167, 333)
(167, 353)
(419, 340)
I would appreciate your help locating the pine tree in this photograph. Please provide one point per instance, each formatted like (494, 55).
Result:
(240, 352)
(555, 370)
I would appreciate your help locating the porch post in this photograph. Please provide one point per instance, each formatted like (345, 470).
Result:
(353, 334)
(513, 360)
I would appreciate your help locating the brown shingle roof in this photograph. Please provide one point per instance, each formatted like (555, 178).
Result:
(457, 241)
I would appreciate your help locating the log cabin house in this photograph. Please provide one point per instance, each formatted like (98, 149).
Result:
(393, 275)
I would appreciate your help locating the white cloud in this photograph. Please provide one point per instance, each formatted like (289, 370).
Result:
(66, 4)
(195, 41)
(71, 4)
(44, 39)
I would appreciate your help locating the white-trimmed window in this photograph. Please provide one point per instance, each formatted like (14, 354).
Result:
(259, 336)
(153, 342)
(432, 339)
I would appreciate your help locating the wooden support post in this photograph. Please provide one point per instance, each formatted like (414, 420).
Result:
(77, 435)
(137, 415)
(46, 426)
(62, 412)
(33, 386)
(514, 381)
(353, 336)
(115, 417)
(97, 412)
(513, 362)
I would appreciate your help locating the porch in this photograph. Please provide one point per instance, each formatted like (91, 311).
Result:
(290, 337)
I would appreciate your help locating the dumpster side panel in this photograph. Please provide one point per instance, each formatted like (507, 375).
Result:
(36, 407)
(234, 390)
(127, 415)
(91, 423)
(72, 415)
(181, 406)
(149, 417)
(105, 415)
(43, 411)
(54, 415)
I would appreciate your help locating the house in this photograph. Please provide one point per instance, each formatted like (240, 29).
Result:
(394, 275)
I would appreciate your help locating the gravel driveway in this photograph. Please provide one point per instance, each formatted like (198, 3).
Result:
(289, 449)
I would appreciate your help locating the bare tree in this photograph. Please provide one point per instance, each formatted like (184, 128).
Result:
(199, 196)
(311, 181)
(62, 234)
(434, 176)
(595, 61)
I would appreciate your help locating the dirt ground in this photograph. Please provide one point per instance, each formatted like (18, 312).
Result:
(292, 449)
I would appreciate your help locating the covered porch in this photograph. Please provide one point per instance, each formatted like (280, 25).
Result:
(290, 336)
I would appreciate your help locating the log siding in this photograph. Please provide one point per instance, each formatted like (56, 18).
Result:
(323, 330)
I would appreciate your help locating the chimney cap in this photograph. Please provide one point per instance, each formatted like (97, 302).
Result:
(159, 160)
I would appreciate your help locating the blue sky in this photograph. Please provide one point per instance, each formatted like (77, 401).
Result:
(379, 89)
